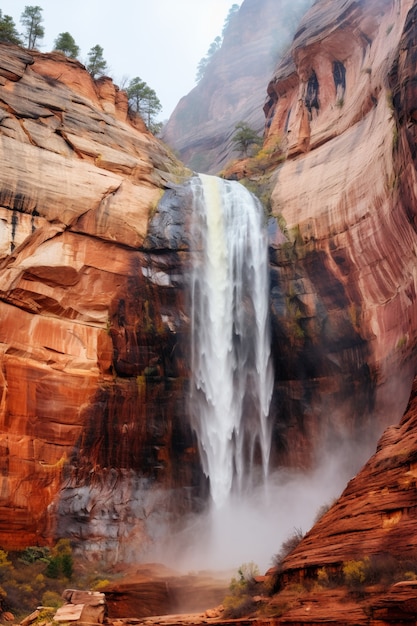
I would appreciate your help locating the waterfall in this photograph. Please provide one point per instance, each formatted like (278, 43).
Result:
(232, 379)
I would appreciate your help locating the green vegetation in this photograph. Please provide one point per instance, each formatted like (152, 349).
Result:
(8, 32)
(60, 562)
(240, 601)
(65, 43)
(143, 100)
(34, 576)
(205, 61)
(31, 20)
(245, 138)
(38, 575)
(96, 65)
(215, 45)
(229, 18)
(354, 573)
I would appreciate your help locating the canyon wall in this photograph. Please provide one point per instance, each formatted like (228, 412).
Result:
(94, 436)
(352, 218)
(339, 119)
(201, 128)
(93, 381)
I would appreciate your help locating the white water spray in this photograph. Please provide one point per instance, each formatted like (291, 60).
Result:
(232, 377)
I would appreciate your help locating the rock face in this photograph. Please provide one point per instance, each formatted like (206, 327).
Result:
(92, 389)
(344, 283)
(372, 523)
(376, 514)
(232, 89)
(94, 437)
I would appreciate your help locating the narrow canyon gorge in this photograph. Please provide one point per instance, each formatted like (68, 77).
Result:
(98, 439)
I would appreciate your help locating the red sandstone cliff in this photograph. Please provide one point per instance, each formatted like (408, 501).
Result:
(85, 333)
(94, 438)
(340, 105)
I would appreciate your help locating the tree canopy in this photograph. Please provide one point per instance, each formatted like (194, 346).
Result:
(245, 137)
(144, 101)
(8, 32)
(142, 98)
(232, 12)
(65, 43)
(96, 65)
(32, 19)
(215, 45)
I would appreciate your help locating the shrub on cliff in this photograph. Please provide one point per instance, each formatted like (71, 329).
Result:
(288, 545)
(354, 573)
(60, 562)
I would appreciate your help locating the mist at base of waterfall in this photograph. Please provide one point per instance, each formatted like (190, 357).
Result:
(251, 527)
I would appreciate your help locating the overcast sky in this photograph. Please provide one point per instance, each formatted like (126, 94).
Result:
(161, 41)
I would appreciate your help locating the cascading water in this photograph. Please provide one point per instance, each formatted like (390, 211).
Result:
(232, 377)
(254, 509)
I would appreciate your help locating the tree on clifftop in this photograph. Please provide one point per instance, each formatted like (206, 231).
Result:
(215, 45)
(65, 43)
(144, 101)
(32, 19)
(96, 65)
(8, 32)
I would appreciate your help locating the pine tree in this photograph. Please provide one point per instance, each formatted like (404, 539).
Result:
(144, 101)
(65, 43)
(96, 65)
(8, 32)
(31, 19)
(245, 137)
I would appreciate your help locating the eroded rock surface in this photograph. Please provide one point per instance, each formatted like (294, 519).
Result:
(92, 387)
(94, 373)
(376, 513)
(344, 283)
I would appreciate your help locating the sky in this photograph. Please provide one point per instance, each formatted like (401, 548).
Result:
(160, 41)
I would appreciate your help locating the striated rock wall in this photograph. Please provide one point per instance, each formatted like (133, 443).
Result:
(94, 438)
(344, 282)
(92, 381)
(376, 514)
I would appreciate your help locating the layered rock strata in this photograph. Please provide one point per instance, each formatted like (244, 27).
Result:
(92, 384)
(94, 436)
(376, 513)
(340, 115)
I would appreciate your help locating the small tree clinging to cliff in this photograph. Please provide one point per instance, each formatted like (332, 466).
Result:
(245, 137)
(215, 45)
(32, 19)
